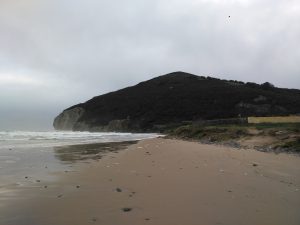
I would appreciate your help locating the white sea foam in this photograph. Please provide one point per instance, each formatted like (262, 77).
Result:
(25, 139)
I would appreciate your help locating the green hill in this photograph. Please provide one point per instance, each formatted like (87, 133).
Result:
(174, 98)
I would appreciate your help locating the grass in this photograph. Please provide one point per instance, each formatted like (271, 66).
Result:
(289, 126)
(210, 133)
(291, 145)
(287, 135)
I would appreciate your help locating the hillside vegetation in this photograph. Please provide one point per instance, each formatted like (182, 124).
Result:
(175, 98)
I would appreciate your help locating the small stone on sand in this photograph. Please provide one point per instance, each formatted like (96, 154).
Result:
(118, 189)
(126, 209)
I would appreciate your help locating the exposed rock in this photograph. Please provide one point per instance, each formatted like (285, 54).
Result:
(119, 125)
(260, 98)
(258, 109)
(68, 118)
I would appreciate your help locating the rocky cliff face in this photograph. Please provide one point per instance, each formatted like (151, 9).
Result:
(68, 119)
(174, 98)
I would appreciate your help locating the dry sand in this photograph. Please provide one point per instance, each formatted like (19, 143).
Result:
(168, 182)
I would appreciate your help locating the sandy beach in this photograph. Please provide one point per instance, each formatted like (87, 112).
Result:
(165, 182)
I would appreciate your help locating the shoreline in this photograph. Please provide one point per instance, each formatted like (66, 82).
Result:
(167, 182)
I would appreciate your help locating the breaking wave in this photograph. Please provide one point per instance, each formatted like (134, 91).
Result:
(23, 139)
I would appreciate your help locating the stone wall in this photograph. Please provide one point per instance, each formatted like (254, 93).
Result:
(274, 119)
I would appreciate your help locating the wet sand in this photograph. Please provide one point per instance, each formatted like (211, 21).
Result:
(165, 182)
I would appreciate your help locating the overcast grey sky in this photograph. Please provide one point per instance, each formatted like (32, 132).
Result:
(56, 53)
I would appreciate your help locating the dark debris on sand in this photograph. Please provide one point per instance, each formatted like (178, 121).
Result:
(118, 189)
(127, 209)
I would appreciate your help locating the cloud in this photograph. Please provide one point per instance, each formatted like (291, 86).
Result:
(62, 52)
(11, 79)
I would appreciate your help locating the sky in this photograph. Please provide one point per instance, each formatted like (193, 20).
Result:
(57, 53)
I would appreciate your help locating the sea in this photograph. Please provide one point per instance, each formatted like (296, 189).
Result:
(31, 139)
(32, 159)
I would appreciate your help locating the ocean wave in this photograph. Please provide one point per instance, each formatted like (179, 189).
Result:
(23, 139)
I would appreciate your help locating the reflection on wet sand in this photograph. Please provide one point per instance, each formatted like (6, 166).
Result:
(35, 176)
(74, 153)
